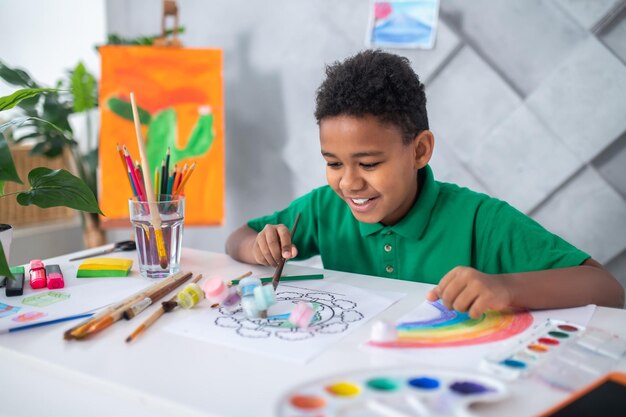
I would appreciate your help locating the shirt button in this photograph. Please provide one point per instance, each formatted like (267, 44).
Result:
(389, 269)
(387, 234)
(388, 248)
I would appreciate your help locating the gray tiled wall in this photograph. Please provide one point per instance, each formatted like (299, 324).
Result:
(527, 100)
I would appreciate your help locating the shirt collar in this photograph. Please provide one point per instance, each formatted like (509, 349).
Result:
(414, 223)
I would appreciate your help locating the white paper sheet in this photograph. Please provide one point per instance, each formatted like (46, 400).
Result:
(79, 296)
(343, 308)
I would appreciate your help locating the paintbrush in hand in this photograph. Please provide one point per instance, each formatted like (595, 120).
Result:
(281, 264)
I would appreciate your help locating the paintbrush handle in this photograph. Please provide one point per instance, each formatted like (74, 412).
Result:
(116, 311)
(139, 306)
(281, 263)
(155, 316)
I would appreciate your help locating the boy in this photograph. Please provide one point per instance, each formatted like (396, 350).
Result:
(383, 214)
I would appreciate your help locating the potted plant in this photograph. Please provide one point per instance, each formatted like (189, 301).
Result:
(48, 188)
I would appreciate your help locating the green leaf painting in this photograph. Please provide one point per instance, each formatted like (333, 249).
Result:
(162, 131)
(52, 188)
(123, 109)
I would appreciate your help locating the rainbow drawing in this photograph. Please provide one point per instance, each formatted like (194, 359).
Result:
(439, 326)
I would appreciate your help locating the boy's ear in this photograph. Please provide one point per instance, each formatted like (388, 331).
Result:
(423, 146)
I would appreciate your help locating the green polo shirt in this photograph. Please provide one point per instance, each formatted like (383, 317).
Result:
(448, 226)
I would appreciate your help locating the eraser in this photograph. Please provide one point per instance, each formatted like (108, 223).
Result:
(104, 267)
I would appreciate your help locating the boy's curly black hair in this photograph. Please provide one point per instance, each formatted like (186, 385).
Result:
(377, 83)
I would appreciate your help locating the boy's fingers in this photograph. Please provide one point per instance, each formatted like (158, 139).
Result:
(285, 240)
(464, 300)
(451, 292)
(264, 250)
(478, 308)
(274, 243)
(433, 295)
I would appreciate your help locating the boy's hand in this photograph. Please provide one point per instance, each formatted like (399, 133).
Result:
(467, 289)
(272, 244)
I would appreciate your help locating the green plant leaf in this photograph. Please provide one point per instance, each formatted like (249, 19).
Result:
(83, 88)
(8, 102)
(53, 188)
(2, 184)
(7, 166)
(123, 109)
(4, 265)
(16, 76)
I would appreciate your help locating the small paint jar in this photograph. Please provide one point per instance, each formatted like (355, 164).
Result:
(302, 315)
(249, 307)
(247, 286)
(264, 297)
(189, 296)
(231, 302)
(215, 290)
(383, 331)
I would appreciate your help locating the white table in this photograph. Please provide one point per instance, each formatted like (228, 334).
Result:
(162, 374)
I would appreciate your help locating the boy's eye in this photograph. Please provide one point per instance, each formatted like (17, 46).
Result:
(370, 165)
(333, 164)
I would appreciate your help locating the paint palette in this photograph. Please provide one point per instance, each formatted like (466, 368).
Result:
(389, 392)
(561, 353)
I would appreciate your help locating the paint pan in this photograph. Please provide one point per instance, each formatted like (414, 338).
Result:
(563, 354)
(392, 392)
(545, 340)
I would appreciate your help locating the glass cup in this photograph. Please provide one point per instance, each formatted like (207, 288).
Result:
(158, 253)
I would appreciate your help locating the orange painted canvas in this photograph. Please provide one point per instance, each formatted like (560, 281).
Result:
(180, 98)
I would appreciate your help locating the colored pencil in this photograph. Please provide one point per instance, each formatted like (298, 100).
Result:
(167, 162)
(181, 188)
(163, 182)
(155, 316)
(140, 180)
(177, 179)
(132, 185)
(131, 168)
(45, 323)
(155, 217)
(287, 278)
(281, 263)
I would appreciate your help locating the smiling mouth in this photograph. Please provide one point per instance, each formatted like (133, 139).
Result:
(361, 205)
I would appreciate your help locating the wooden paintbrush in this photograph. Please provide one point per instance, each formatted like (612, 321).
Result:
(139, 306)
(156, 315)
(155, 217)
(114, 313)
(281, 264)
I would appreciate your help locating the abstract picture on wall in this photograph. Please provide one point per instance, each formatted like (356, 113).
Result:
(403, 23)
(180, 99)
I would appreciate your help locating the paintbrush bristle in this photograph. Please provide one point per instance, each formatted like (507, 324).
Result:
(163, 262)
(169, 305)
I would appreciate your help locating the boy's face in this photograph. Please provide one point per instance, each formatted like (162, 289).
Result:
(369, 167)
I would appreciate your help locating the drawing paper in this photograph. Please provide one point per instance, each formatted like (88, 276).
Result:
(341, 310)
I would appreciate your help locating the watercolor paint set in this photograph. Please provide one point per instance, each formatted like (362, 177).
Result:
(392, 392)
(563, 354)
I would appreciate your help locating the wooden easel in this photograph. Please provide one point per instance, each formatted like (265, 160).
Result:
(170, 9)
